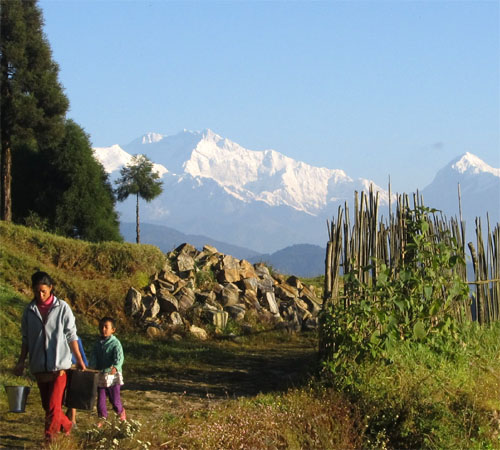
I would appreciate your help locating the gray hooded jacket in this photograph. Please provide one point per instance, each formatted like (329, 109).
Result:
(48, 345)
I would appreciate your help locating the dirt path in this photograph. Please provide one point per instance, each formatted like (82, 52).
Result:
(235, 371)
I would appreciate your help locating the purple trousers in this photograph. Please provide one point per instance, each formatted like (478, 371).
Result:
(113, 393)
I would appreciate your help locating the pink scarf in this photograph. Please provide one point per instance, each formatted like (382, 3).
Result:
(44, 307)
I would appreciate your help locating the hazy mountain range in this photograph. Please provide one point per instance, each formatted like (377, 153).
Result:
(264, 201)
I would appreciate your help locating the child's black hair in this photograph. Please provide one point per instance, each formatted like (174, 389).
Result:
(108, 319)
(41, 278)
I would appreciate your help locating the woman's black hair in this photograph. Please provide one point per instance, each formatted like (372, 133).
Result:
(41, 278)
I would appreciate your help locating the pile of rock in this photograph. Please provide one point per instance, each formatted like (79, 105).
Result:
(199, 288)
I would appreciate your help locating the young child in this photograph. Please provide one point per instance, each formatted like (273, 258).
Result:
(107, 356)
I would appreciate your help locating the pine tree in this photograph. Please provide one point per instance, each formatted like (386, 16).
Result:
(84, 199)
(138, 178)
(33, 104)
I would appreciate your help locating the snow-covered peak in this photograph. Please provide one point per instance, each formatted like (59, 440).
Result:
(249, 175)
(469, 163)
(151, 138)
(112, 158)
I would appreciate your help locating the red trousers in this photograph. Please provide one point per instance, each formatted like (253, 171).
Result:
(52, 393)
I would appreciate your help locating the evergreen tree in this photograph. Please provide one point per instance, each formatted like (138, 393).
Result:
(83, 197)
(138, 178)
(33, 104)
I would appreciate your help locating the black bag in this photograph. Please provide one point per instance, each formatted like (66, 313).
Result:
(81, 389)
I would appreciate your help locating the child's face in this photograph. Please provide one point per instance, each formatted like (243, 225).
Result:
(106, 329)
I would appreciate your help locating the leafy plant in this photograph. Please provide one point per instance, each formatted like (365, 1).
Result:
(419, 301)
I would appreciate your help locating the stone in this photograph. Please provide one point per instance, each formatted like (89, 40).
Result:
(209, 249)
(228, 275)
(133, 303)
(153, 332)
(186, 249)
(236, 312)
(198, 333)
(170, 277)
(176, 337)
(185, 298)
(229, 262)
(246, 269)
(312, 302)
(185, 263)
(152, 307)
(270, 302)
(249, 284)
(164, 285)
(261, 270)
(295, 282)
(250, 299)
(168, 304)
(217, 318)
(205, 297)
(152, 289)
(285, 292)
(265, 284)
(176, 318)
(230, 295)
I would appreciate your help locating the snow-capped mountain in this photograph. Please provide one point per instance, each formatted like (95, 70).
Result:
(264, 200)
(247, 175)
(479, 188)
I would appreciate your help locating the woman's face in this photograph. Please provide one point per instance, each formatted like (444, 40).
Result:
(42, 292)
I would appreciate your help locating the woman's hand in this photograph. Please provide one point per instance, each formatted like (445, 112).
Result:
(19, 368)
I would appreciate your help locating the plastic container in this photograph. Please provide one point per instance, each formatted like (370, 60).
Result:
(17, 396)
(81, 389)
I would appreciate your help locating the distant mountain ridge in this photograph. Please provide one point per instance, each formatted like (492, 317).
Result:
(262, 200)
(479, 188)
(266, 201)
(167, 239)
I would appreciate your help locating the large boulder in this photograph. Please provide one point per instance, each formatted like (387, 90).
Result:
(152, 308)
(269, 303)
(250, 299)
(230, 295)
(185, 263)
(285, 292)
(236, 312)
(228, 269)
(249, 284)
(133, 303)
(168, 303)
(216, 317)
(198, 333)
(185, 298)
(261, 270)
(246, 269)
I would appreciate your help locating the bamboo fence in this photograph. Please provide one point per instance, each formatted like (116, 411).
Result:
(351, 247)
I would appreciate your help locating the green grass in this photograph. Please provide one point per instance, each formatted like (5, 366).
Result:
(258, 390)
(426, 399)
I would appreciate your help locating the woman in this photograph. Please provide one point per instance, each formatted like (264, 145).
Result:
(49, 337)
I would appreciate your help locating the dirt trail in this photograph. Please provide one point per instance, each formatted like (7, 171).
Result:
(235, 372)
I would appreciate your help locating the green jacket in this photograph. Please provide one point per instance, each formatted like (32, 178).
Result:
(107, 353)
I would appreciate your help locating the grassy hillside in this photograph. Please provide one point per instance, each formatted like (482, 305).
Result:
(93, 278)
(253, 391)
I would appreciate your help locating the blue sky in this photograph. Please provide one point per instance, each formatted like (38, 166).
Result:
(375, 88)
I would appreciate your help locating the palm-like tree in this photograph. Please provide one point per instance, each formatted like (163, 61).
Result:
(138, 178)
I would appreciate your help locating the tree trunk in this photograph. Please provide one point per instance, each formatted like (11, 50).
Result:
(6, 200)
(137, 230)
